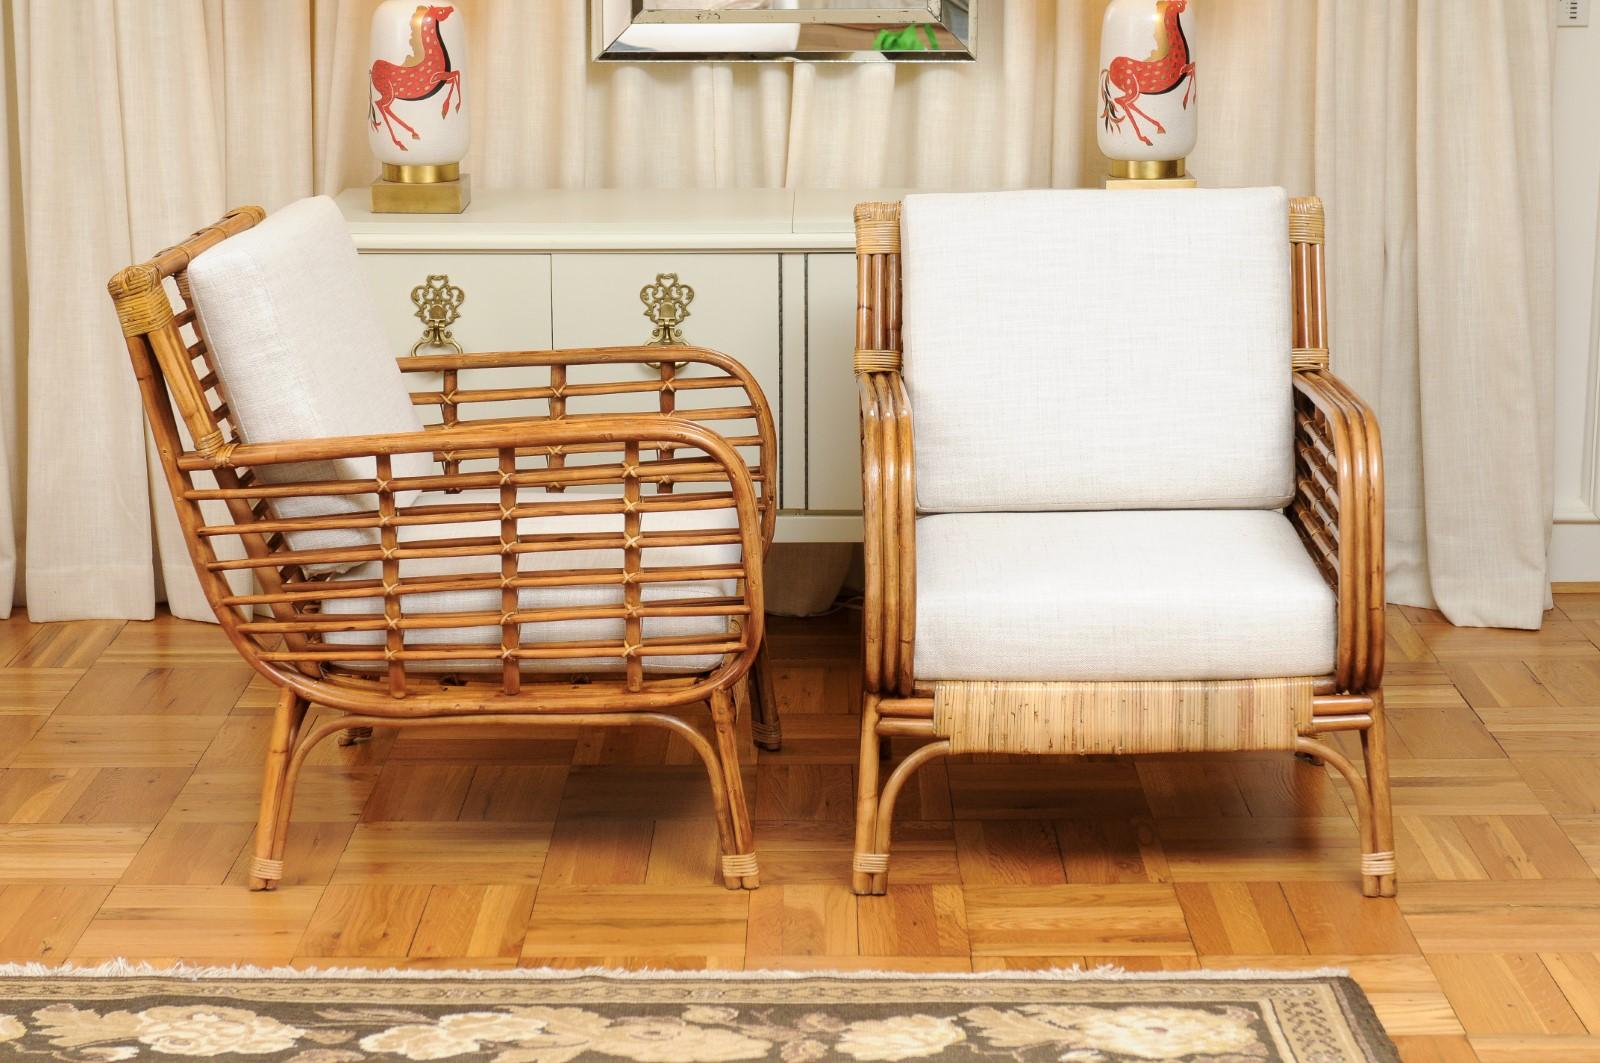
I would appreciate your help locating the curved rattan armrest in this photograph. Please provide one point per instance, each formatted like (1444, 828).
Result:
(665, 379)
(889, 513)
(1338, 511)
(280, 568)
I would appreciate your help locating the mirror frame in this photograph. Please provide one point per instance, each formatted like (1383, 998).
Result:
(610, 19)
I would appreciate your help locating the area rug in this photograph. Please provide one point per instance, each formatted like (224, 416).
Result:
(124, 1012)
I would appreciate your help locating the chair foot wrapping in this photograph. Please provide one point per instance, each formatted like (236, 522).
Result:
(741, 871)
(266, 872)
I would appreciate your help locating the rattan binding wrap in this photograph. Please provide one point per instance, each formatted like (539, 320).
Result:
(262, 868)
(1223, 715)
(740, 865)
(870, 863)
(1378, 863)
(141, 301)
(877, 362)
(877, 228)
(1306, 223)
(1308, 358)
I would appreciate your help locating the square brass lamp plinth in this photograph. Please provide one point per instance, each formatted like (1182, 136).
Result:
(421, 190)
(1154, 173)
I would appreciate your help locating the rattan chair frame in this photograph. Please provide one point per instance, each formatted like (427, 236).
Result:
(672, 459)
(1337, 510)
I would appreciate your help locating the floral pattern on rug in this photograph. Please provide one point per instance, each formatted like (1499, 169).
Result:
(698, 1028)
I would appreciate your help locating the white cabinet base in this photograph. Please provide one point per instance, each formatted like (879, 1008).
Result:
(773, 273)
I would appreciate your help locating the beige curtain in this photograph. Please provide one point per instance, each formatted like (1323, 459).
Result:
(1424, 124)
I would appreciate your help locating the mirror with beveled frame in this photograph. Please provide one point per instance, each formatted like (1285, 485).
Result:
(783, 30)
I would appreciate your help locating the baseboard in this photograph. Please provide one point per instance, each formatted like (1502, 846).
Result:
(1575, 553)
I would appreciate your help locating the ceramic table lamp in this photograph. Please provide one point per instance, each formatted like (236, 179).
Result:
(416, 108)
(1148, 99)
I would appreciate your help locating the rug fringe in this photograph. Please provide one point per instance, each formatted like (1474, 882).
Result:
(121, 968)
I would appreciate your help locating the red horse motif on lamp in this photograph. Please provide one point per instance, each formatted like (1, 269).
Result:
(422, 75)
(1169, 65)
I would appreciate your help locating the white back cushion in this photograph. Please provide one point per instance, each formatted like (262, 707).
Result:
(301, 354)
(1099, 349)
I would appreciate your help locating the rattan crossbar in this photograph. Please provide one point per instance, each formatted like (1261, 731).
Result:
(612, 435)
(1122, 717)
(1336, 509)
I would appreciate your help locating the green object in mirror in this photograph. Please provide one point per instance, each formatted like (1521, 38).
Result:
(906, 40)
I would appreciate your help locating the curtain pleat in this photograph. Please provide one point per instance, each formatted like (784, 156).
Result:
(129, 124)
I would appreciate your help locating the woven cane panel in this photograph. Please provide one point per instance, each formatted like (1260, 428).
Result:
(1122, 717)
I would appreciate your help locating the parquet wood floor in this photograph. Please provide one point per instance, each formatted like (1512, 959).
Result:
(128, 775)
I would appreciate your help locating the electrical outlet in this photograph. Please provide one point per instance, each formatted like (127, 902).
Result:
(1572, 12)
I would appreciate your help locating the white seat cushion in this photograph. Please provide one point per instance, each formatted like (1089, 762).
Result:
(301, 354)
(488, 600)
(1140, 594)
(1099, 350)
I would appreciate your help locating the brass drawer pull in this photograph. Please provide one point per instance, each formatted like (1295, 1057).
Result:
(438, 304)
(666, 304)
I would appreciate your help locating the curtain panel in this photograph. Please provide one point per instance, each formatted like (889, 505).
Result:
(1424, 124)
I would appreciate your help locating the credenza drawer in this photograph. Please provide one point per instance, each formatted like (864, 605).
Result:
(597, 301)
(506, 304)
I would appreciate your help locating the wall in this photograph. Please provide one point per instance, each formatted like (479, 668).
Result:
(1575, 544)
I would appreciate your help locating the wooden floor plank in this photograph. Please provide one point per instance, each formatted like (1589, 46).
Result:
(198, 924)
(1076, 920)
(41, 923)
(445, 853)
(1240, 917)
(1510, 993)
(1501, 917)
(478, 921)
(652, 925)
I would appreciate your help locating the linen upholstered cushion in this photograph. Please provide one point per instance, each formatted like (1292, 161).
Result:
(301, 354)
(1138, 594)
(487, 600)
(1099, 349)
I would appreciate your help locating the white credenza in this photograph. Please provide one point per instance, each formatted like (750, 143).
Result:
(773, 272)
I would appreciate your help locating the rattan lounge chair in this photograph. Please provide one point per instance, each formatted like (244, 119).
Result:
(1115, 501)
(591, 557)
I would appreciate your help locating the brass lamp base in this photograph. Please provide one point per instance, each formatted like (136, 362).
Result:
(1152, 173)
(421, 190)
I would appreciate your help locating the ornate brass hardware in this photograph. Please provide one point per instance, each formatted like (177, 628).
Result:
(666, 303)
(438, 304)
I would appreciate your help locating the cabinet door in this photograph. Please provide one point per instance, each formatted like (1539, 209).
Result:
(833, 425)
(505, 307)
(596, 303)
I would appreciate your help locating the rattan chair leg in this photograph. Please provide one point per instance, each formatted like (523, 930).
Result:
(866, 876)
(764, 724)
(1376, 861)
(266, 862)
(891, 794)
(1375, 751)
(352, 735)
(739, 868)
